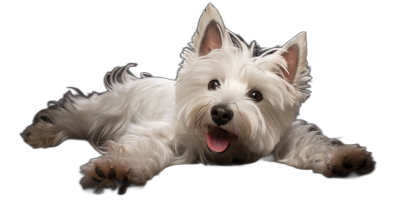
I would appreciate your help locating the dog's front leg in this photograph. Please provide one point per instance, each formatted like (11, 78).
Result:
(304, 146)
(131, 160)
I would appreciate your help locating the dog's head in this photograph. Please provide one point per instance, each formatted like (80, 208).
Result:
(235, 99)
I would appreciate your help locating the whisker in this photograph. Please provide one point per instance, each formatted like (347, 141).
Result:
(200, 116)
(238, 110)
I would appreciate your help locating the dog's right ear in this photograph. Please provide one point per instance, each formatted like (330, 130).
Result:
(210, 32)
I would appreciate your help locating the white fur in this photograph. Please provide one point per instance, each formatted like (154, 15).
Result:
(142, 125)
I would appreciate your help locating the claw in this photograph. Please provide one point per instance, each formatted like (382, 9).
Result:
(99, 172)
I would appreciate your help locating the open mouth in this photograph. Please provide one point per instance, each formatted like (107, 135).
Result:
(219, 139)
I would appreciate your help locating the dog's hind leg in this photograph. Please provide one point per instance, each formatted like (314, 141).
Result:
(304, 146)
(71, 119)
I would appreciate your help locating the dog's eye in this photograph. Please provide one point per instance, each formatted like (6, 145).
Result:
(256, 96)
(213, 85)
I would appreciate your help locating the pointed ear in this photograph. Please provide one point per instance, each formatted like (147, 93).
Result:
(210, 32)
(294, 53)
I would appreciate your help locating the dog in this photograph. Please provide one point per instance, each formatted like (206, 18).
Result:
(231, 103)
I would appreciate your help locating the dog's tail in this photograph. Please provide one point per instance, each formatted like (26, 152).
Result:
(120, 75)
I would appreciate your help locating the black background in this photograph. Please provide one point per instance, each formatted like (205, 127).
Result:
(60, 45)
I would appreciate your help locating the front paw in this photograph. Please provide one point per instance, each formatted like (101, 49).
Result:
(348, 158)
(103, 173)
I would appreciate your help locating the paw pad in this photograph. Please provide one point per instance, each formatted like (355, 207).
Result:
(362, 163)
(99, 172)
(337, 171)
(346, 163)
(348, 158)
(96, 180)
(111, 176)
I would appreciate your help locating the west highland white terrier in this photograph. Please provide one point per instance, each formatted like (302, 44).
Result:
(231, 103)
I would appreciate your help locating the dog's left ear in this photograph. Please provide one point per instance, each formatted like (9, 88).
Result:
(295, 54)
(210, 32)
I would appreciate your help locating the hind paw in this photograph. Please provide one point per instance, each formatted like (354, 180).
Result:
(41, 134)
(348, 158)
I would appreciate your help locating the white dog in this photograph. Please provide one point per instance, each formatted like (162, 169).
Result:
(231, 103)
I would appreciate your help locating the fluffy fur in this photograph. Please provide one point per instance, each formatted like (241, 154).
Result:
(142, 125)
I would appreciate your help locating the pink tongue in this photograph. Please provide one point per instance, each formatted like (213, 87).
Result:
(218, 140)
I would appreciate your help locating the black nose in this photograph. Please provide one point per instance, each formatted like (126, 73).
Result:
(221, 115)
